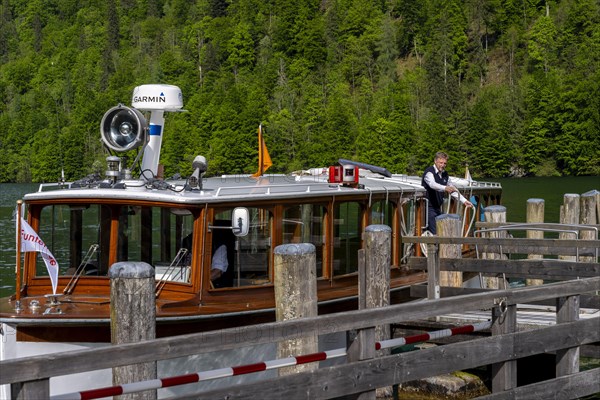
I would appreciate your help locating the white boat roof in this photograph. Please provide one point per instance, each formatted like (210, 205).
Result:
(235, 188)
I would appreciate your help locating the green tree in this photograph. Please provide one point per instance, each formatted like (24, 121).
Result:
(542, 43)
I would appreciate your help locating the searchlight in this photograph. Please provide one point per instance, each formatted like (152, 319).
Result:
(125, 128)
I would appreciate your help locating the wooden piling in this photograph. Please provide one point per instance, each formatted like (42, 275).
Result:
(377, 239)
(495, 213)
(448, 225)
(588, 217)
(373, 292)
(535, 214)
(361, 343)
(133, 319)
(569, 214)
(295, 280)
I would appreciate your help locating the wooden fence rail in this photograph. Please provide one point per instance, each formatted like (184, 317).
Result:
(517, 245)
(333, 382)
(363, 375)
(499, 350)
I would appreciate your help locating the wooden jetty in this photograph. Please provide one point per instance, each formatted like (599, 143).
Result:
(577, 285)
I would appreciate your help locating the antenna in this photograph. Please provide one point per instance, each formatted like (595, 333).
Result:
(157, 99)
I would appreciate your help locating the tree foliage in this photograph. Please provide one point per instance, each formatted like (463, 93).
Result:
(509, 87)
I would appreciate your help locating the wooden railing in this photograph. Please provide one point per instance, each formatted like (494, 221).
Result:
(501, 350)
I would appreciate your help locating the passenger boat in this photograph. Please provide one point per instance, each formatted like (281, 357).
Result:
(175, 224)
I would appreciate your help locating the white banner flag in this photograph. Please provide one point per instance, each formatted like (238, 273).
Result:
(30, 241)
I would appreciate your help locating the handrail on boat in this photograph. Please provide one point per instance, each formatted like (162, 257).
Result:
(80, 269)
(177, 261)
(267, 189)
(49, 185)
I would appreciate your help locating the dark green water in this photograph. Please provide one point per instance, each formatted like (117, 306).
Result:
(516, 192)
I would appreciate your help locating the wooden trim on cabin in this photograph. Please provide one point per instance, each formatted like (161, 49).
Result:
(203, 213)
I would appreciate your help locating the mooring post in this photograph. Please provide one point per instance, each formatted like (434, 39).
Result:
(448, 225)
(133, 319)
(535, 214)
(358, 342)
(377, 239)
(567, 360)
(295, 280)
(569, 214)
(378, 245)
(495, 213)
(504, 320)
(588, 217)
(373, 292)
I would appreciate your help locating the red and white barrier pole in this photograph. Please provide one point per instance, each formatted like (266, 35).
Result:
(200, 376)
(432, 335)
(261, 366)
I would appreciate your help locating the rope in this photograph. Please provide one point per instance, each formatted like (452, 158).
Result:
(423, 245)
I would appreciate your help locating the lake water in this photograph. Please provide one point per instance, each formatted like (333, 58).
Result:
(516, 192)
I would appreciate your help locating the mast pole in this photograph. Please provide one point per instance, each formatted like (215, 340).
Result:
(18, 263)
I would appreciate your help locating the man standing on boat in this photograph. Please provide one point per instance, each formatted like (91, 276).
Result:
(437, 182)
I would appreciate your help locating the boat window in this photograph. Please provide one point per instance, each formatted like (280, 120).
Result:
(382, 213)
(159, 236)
(246, 261)
(304, 223)
(408, 227)
(78, 237)
(347, 237)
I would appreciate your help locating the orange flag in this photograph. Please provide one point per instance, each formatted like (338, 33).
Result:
(264, 159)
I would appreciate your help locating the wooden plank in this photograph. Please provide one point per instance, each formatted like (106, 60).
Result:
(547, 225)
(35, 389)
(38, 367)
(504, 320)
(515, 245)
(563, 388)
(547, 250)
(353, 378)
(420, 291)
(567, 360)
(433, 272)
(542, 269)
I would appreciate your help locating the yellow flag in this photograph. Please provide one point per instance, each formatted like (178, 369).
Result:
(264, 159)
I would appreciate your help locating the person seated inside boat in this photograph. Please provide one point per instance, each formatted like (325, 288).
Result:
(186, 243)
(219, 263)
(221, 270)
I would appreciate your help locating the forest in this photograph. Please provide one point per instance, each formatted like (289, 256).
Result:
(507, 87)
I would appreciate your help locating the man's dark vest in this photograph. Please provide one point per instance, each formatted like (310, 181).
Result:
(436, 199)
